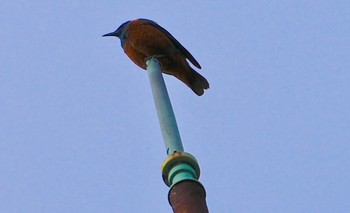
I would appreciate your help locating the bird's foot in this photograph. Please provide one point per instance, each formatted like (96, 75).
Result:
(154, 56)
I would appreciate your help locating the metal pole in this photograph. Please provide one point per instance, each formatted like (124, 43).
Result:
(165, 111)
(180, 170)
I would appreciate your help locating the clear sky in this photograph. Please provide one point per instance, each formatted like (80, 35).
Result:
(78, 126)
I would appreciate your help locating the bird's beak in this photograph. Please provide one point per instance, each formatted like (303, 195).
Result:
(110, 34)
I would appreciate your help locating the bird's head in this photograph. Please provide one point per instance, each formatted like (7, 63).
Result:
(120, 32)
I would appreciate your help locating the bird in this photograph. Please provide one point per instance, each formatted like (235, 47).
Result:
(142, 39)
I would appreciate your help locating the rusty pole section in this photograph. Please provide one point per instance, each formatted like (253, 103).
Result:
(188, 196)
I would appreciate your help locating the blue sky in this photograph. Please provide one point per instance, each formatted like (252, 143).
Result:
(78, 126)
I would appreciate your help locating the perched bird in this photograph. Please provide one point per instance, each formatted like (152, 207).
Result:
(142, 39)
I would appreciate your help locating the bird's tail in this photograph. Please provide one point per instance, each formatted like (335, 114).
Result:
(197, 82)
(187, 75)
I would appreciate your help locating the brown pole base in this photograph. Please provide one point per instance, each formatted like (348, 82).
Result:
(188, 196)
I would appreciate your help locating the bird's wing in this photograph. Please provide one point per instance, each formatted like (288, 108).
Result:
(182, 49)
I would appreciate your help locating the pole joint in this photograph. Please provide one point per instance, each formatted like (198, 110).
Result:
(178, 167)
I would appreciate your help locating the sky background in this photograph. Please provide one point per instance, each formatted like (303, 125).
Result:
(79, 130)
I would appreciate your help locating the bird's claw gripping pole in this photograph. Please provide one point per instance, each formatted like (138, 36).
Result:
(180, 170)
